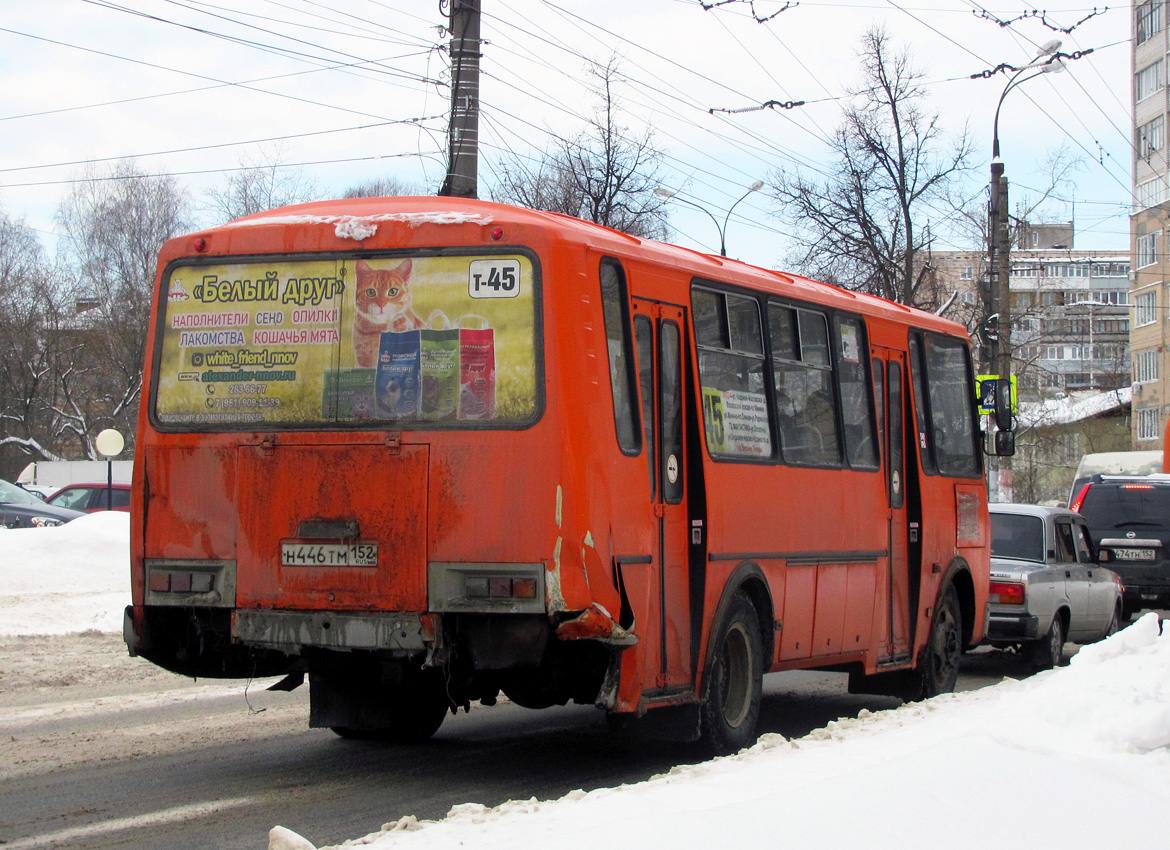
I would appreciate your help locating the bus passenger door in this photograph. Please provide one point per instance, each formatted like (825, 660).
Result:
(658, 336)
(889, 370)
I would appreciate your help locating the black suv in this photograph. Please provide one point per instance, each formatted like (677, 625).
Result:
(1129, 521)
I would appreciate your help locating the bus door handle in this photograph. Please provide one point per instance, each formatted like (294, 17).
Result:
(696, 532)
(913, 532)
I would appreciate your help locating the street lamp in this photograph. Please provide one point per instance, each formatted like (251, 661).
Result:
(999, 267)
(109, 444)
(663, 192)
(998, 243)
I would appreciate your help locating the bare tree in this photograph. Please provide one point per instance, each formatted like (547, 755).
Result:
(113, 226)
(606, 174)
(30, 311)
(865, 225)
(382, 187)
(262, 183)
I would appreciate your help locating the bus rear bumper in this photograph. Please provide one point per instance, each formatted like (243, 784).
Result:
(290, 631)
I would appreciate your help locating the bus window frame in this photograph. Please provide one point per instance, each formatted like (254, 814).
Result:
(935, 469)
(631, 365)
(825, 315)
(863, 352)
(832, 318)
(699, 284)
(381, 425)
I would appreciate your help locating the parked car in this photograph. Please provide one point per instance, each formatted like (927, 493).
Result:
(1129, 521)
(21, 509)
(1046, 586)
(92, 497)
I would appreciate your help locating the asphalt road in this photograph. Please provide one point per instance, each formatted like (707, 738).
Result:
(99, 751)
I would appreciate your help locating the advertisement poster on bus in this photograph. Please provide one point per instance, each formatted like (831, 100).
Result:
(414, 340)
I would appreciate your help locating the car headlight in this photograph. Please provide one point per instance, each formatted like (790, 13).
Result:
(46, 521)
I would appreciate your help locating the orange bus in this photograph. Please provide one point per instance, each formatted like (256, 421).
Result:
(426, 450)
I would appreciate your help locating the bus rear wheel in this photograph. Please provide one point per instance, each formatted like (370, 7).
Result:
(939, 667)
(734, 684)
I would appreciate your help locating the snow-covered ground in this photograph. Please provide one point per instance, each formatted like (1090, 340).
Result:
(1074, 758)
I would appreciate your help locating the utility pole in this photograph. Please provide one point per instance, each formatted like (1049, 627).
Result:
(1000, 265)
(463, 132)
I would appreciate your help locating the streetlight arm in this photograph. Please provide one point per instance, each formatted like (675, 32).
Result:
(663, 192)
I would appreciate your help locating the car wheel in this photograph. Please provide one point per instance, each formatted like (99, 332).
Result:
(1048, 652)
(731, 701)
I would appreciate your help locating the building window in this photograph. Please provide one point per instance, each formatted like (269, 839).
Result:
(1145, 366)
(1147, 81)
(1151, 193)
(1145, 309)
(1147, 424)
(1151, 137)
(968, 273)
(1149, 20)
(1147, 249)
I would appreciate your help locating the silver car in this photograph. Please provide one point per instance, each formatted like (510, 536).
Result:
(1046, 586)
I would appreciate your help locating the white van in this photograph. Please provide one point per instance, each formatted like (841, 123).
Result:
(1113, 463)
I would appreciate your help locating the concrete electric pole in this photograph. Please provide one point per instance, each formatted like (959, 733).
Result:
(463, 133)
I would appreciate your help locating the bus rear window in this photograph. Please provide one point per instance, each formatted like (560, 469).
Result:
(420, 341)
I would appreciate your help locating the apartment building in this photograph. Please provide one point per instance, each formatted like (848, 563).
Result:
(1149, 226)
(1070, 311)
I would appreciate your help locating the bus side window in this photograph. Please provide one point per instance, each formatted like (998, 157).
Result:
(952, 410)
(917, 370)
(615, 309)
(670, 407)
(730, 343)
(644, 336)
(806, 407)
(856, 402)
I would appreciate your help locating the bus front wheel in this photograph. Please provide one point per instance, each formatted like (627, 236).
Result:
(731, 702)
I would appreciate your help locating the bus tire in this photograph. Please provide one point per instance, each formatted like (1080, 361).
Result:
(939, 667)
(735, 682)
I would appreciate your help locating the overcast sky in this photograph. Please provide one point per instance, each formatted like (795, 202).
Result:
(353, 89)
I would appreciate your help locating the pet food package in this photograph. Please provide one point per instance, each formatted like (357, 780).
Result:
(477, 373)
(398, 382)
(439, 373)
(348, 394)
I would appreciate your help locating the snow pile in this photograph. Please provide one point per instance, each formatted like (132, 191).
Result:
(1077, 757)
(71, 578)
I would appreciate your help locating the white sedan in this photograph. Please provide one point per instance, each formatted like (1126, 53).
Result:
(1046, 584)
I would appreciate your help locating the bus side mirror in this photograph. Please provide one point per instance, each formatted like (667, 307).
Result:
(1003, 408)
(1005, 443)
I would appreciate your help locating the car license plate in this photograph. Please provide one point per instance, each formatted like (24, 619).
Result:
(329, 554)
(1134, 554)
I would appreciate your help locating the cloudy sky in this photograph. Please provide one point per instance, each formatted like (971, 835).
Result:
(352, 90)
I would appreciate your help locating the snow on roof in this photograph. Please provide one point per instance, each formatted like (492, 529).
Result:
(365, 226)
(1073, 408)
